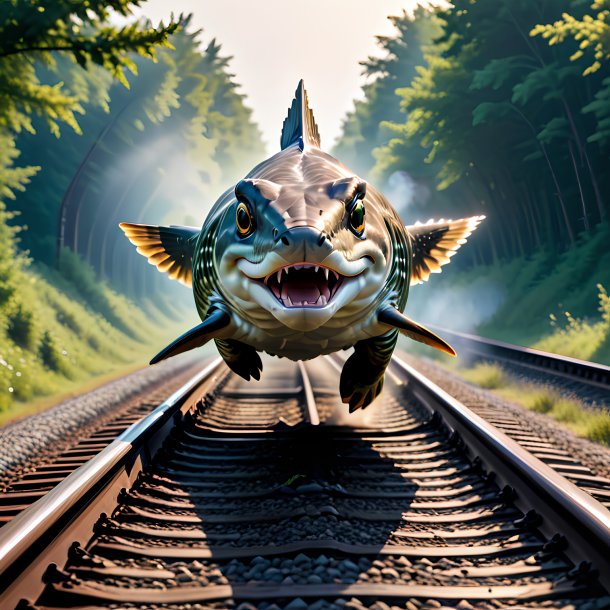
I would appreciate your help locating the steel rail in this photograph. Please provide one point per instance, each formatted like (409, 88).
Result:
(569, 509)
(592, 373)
(20, 538)
(311, 415)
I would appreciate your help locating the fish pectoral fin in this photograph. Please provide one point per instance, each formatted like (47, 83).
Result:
(394, 318)
(215, 322)
(169, 249)
(435, 242)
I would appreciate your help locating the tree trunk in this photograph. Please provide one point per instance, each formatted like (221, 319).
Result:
(582, 149)
(582, 197)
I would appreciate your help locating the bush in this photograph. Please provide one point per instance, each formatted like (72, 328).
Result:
(486, 375)
(541, 401)
(83, 279)
(568, 411)
(48, 352)
(6, 395)
(21, 328)
(67, 319)
(598, 428)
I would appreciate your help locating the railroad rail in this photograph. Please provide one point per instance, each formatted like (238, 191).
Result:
(33, 479)
(589, 381)
(234, 495)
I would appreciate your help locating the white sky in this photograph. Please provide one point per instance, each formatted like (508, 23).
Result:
(274, 43)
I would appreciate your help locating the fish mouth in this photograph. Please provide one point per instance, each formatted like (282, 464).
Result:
(303, 284)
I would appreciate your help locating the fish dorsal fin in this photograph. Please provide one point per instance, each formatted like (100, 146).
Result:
(300, 126)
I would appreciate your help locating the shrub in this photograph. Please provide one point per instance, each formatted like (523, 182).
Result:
(540, 401)
(21, 328)
(568, 411)
(48, 352)
(67, 319)
(6, 391)
(598, 428)
(486, 375)
(83, 279)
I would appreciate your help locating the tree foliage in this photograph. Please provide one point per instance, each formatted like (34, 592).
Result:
(40, 37)
(104, 122)
(591, 32)
(364, 128)
(34, 31)
(161, 151)
(496, 120)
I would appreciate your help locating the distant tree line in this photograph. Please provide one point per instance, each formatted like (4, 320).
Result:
(497, 107)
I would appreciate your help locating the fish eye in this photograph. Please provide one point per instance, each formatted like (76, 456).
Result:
(356, 218)
(244, 220)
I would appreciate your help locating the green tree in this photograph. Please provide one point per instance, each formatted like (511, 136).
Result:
(365, 127)
(171, 142)
(591, 32)
(40, 29)
(37, 36)
(505, 124)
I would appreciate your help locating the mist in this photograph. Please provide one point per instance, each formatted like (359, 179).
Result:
(403, 192)
(453, 305)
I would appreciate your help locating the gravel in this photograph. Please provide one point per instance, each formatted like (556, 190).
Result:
(596, 457)
(24, 439)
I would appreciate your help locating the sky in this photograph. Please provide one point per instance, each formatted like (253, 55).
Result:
(275, 43)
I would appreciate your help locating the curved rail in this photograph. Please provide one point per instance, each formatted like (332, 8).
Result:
(590, 372)
(576, 513)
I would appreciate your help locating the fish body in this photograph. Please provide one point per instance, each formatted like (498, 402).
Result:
(302, 258)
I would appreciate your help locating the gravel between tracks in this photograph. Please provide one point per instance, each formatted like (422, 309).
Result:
(596, 457)
(22, 440)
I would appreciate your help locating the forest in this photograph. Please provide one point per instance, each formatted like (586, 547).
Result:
(500, 108)
(103, 118)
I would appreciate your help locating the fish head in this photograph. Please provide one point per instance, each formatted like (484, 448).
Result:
(303, 251)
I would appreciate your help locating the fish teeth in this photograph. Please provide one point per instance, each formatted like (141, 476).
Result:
(336, 274)
(322, 300)
(290, 303)
(279, 275)
(326, 273)
(316, 268)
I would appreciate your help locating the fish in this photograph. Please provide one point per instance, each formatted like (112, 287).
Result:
(303, 258)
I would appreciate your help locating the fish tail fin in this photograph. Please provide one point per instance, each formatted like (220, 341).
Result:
(300, 126)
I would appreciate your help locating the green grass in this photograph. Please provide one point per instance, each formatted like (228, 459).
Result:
(584, 421)
(580, 338)
(485, 375)
(60, 342)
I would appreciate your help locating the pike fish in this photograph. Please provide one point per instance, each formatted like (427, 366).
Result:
(302, 258)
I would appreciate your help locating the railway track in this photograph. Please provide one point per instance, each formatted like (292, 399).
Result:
(587, 381)
(236, 495)
(22, 486)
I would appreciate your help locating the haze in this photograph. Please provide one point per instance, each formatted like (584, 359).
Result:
(275, 43)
